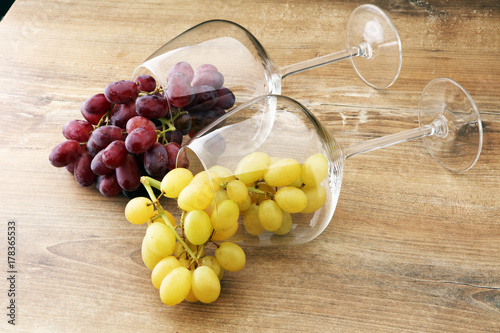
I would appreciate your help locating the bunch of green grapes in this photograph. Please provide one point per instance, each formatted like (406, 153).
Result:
(263, 191)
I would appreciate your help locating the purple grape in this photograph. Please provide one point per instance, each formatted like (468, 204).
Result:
(179, 90)
(140, 139)
(181, 67)
(210, 78)
(78, 130)
(146, 83)
(96, 105)
(65, 153)
(151, 106)
(114, 154)
(128, 174)
(205, 97)
(225, 98)
(98, 167)
(108, 185)
(121, 92)
(183, 123)
(83, 172)
(155, 161)
(122, 113)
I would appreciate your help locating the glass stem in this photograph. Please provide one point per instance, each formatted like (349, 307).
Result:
(320, 61)
(438, 127)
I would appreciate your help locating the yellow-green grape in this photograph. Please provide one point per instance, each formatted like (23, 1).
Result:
(245, 204)
(149, 258)
(314, 170)
(170, 218)
(224, 173)
(220, 196)
(175, 181)
(205, 284)
(251, 220)
(195, 196)
(222, 235)
(175, 286)
(270, 215)
(139, 210)
(297, 182)
(180, 251)
(221, 273)
(191, 297)
(262, 187)
(210, 177)
(237, 191)
(162, 268)
(252, 167)
(211, 261)
(160, 239)
(316, 197)
(230, 256)
(225, 216)
(197, 227)
(286, 224)
(291, 199)
(282, 172)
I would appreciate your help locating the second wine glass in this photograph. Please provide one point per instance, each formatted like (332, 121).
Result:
(372, 44)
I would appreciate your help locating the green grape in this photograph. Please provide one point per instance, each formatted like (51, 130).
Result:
(190, 296)
(205, 284)
(149, 258)
(237, 191)
(282, 172)
(230, 256)
(180, 251)
(197, 227)
(175, 181)
(170, 218)
(195, 196)
(210, 178)
(251, 220)
(211, 261)
(139, 210)
(316, 197)
(270, 215)
(222, 235)
(314, 170)
(286, 224)
(220, 196)
(162, 268)
(252, 167)
(225, 216)
(160, 239)
(224, 173)
(245, 204)
(297, 182)
(175, 286)
(291, 199)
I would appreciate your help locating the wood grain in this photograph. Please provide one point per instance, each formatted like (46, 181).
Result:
(411, 248)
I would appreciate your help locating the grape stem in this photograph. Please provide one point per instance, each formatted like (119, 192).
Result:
(266, 194)
(146, 181)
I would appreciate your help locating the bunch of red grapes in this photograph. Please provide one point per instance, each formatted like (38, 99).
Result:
(136, 128)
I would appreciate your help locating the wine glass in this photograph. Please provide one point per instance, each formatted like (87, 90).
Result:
(283, 128)
(372, 41)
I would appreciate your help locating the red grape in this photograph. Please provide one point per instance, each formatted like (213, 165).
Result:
(98, 166)
(146, 83)
(64, 153)
(172, 149)
(108, 185)
(151, 106)
(122, 113)
(225, 98)
(205, 97)
(205, 67)
(155, 161)
(178, 90)
(97, 105)
(140, 139)
(104, 135)
(78, 130)
(183, 123)
(181, 67)
(139, 121)
(83, 173)
(128, 174)
(210, 78)
(174, 136)
(114, 154)
(121, 92)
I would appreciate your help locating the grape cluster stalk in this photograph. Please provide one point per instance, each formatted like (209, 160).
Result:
(136, 128)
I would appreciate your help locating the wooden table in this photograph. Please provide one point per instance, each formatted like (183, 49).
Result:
(412, 247)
